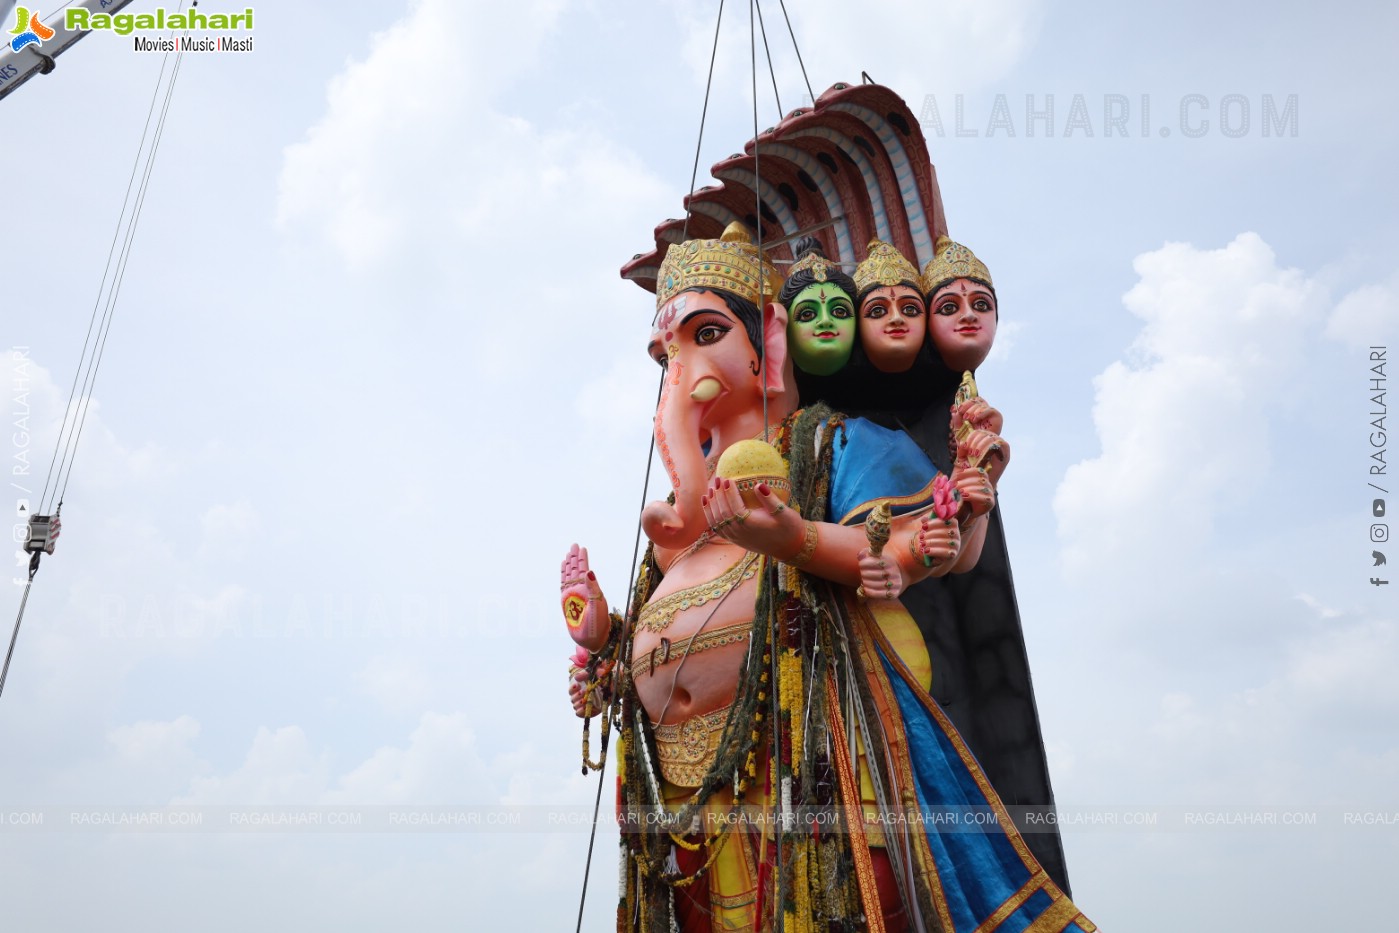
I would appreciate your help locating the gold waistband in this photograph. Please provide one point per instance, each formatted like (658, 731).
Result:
(657, 615)
(686, 647)
(687, 749)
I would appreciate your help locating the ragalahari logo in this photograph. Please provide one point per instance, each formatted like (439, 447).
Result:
(28, 30)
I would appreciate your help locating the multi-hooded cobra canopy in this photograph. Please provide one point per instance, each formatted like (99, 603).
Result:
(851, 169)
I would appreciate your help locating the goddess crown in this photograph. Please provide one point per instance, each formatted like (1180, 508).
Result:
(952, 261)
(884, 265)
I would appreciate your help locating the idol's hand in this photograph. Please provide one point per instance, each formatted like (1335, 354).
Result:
(584, 608)
(979, 413)
(880, 577)
(984, 449)
(587, 703)
(772, 528)
(937, 544)
(978, 493)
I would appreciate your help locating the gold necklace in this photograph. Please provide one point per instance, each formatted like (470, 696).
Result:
(657, 616)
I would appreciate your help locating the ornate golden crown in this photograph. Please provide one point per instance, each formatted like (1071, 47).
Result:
(731, 263)
(884, 265)
(819, 266)
(952, 261)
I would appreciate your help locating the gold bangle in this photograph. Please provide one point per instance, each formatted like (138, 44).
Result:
(809, 541)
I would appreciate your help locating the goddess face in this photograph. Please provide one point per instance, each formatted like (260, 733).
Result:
(821, 329)
(963, 324)
(892, 327)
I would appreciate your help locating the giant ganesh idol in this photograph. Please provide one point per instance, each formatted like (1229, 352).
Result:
(779, 757)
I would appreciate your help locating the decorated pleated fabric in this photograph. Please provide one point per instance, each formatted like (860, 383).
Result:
(872, 464)
(982, 874)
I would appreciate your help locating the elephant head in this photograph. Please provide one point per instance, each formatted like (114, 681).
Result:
(723, 359)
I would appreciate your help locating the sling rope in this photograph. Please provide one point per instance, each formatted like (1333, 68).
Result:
(771, 71)
(704, 112)
(631, 593)
(797, 49)
(775, 757)
(754, 11)
(75, 417)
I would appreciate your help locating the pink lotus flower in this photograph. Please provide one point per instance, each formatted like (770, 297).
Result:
(580, 657)
(945, 497)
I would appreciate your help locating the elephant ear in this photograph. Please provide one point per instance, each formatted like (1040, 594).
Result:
(775, 349)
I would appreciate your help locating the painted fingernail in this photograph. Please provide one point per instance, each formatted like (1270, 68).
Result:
(763, 489)
(591, 575)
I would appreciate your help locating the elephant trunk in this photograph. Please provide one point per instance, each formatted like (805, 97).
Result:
(678, 440)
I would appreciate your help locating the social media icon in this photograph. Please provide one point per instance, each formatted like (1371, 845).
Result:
(1378, 508)
(1379, 533)
(1378, 556)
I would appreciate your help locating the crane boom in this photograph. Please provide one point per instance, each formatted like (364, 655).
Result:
(17, 67)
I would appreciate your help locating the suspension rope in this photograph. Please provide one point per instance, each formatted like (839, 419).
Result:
(775, 756)
(631, 592)
(754, 12)
(68, 410)
(809, 91)
(758, 204)
(120, 277)
(771, 71)
(704, 112)
(5, 671)
(73, 420)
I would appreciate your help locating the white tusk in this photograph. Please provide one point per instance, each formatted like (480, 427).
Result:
(707, 389)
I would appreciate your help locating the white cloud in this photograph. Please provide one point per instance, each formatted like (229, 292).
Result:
(397, 684)
(370, 176)
(280, 768)
(1007, 335)
(147, 740)
(1223, 330)
(89, 452)
(439, 764)
(1368, 316)
(1322, 611)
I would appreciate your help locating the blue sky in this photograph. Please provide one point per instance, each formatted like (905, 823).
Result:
(373, 370)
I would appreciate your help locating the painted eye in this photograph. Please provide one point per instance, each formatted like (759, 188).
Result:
(710, 333)
(981, 304)
(911, 310)
(873, 312)
(842, 312)
(806, 314)
(947, 308)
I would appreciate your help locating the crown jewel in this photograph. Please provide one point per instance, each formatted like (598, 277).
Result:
(952, 261)
(731, 263)
(819, 266)
(884, 265)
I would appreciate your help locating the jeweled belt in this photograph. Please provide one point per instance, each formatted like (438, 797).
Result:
(687, 749)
